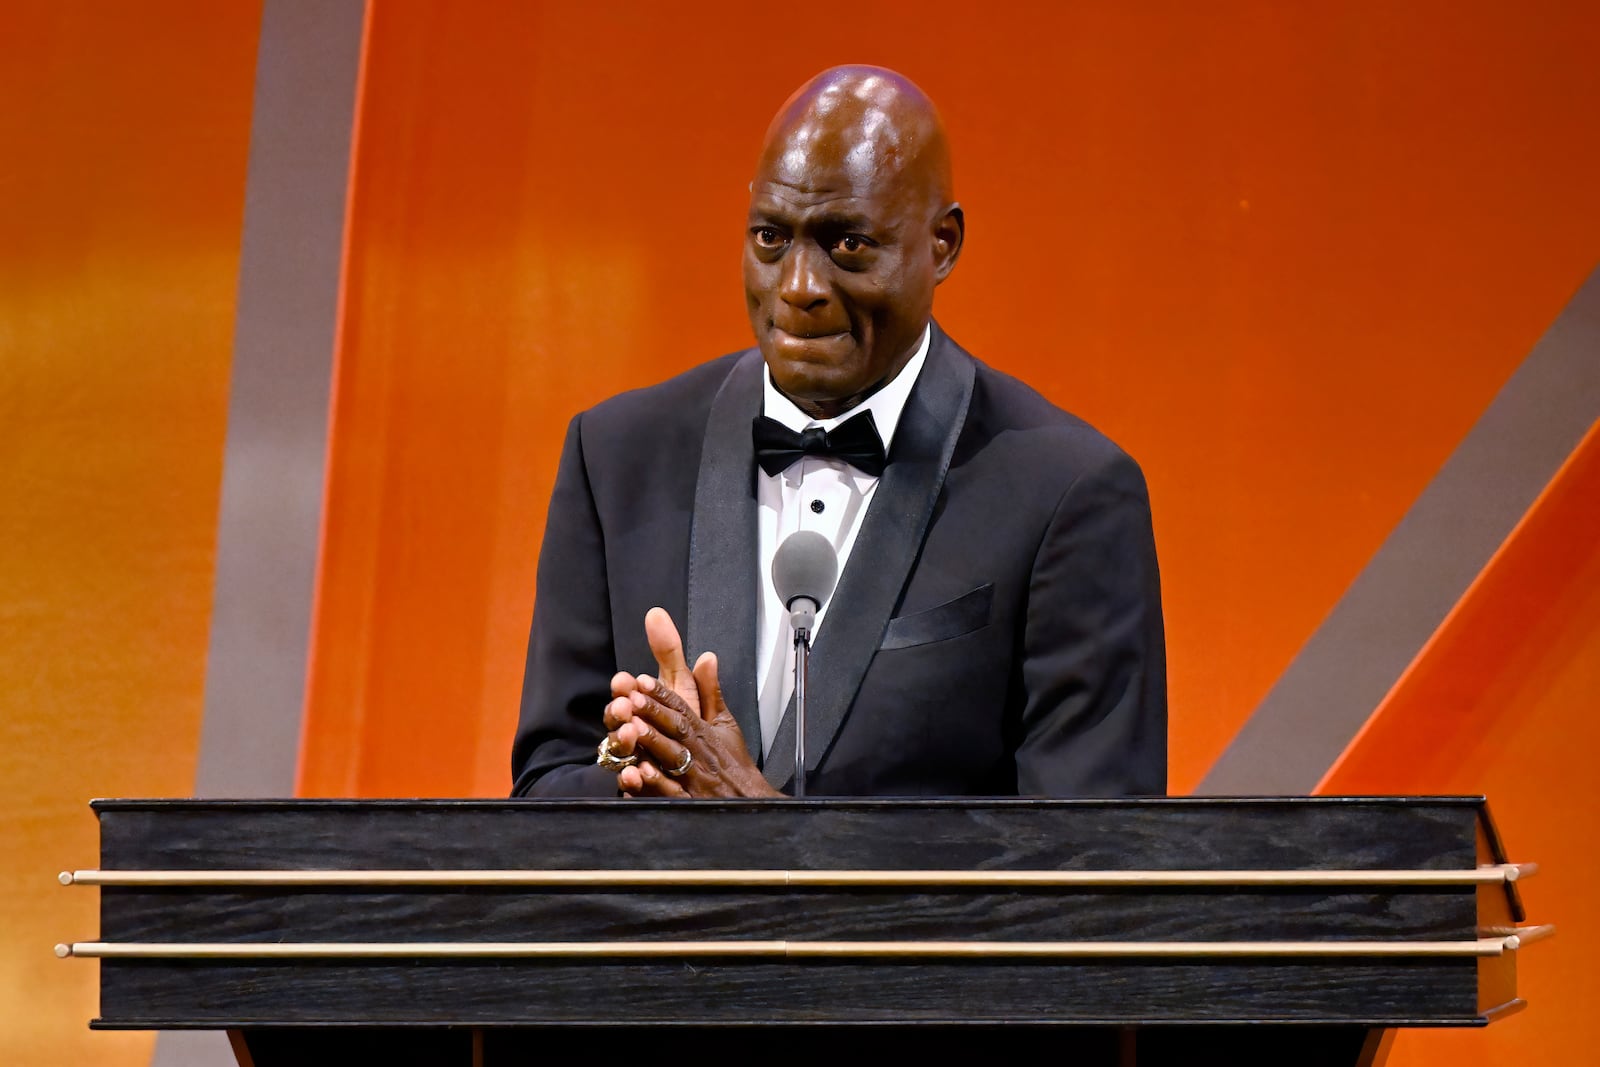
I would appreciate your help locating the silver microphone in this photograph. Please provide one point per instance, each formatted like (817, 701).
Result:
(804, 571)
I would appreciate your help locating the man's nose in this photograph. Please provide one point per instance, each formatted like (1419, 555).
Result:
(803, 283)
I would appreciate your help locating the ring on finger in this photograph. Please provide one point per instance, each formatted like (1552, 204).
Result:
(683, 766)
(608, 759)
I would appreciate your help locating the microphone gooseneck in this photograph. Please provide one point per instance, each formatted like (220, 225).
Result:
(804, 571)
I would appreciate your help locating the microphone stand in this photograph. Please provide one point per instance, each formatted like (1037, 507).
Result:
(802, 667)
(804, 571)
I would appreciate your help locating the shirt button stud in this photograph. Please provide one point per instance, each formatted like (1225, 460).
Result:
(817, 507)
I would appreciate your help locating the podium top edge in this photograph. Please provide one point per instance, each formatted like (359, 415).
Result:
(829, 803)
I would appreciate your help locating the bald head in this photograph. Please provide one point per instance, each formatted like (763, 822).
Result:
(873, 123)
(851, 227)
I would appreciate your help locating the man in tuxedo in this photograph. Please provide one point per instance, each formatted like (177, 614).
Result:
(996, 628)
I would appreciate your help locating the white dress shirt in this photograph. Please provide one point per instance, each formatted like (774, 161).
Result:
(822, 494)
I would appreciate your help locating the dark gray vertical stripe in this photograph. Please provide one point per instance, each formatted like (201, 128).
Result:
(275, 455)
(276, 452)
(1446, 538)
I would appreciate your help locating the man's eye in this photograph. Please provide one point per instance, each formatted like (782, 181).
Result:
(851, 243)
(767, 236)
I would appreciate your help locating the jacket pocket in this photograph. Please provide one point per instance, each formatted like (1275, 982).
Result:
(964, 614)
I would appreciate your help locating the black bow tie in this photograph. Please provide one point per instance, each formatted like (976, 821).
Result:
(855, 441)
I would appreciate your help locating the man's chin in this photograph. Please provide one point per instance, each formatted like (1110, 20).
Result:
(808, 383)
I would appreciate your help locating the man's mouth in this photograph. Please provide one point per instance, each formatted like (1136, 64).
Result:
(809, 333)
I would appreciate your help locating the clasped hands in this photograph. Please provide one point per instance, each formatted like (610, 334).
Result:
(678, 722)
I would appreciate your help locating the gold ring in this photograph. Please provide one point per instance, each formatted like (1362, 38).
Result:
(683, 766)
(610, 760)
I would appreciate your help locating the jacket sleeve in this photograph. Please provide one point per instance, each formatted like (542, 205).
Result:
(571, 653)
(1094, 719)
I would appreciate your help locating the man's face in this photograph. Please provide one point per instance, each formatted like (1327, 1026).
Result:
(839, 270)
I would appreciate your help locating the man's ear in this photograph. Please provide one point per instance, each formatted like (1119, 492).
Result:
(949, 231)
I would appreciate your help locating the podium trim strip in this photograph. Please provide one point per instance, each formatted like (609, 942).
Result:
(1490, 874)
(1492, 946)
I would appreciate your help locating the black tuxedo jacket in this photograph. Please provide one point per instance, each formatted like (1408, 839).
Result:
(996, 630)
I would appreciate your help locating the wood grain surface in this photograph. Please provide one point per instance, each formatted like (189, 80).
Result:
(229, 994)
(1375, 834)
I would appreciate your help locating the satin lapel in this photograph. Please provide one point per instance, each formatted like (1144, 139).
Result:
(723, 547)
(891, 536)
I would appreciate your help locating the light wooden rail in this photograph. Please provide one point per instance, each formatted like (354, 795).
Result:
(1495, 873)
(1492, 946)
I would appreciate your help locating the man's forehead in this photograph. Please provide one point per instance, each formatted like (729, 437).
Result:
(803, 153)
(805, 169)
(776, 200)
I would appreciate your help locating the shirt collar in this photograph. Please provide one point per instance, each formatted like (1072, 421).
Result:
(886, 405)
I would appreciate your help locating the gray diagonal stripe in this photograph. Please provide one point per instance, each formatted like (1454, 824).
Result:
(272, 481)
(1446, 538)
(273, 465)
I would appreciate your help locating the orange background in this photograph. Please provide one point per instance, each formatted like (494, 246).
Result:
(1285, 254)
(1286, 259)
(124, 131)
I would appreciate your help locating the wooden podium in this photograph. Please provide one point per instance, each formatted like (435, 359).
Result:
(1119, 931)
